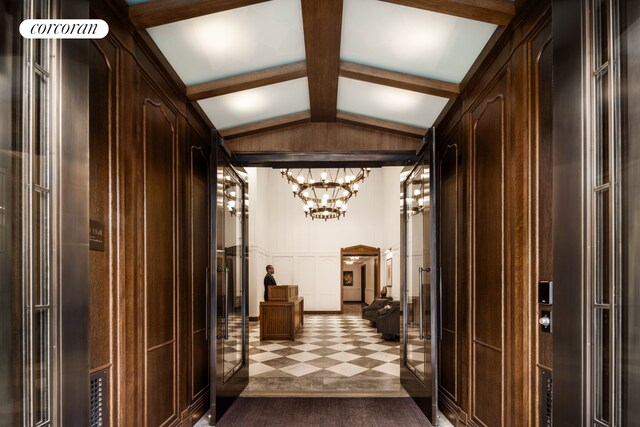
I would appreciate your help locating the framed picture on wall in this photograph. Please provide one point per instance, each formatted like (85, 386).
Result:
(347, 278)
(389, 266)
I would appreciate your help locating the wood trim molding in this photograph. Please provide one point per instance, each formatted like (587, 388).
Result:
(379, 124)
(266, 125)
(399, 80)
(159, 12)
(325, 138)
(497, 12)
(247, 81)
(322, 20)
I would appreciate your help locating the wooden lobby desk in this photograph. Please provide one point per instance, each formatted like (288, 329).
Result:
(282, 316)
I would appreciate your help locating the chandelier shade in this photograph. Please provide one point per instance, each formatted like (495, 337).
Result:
(325, 193)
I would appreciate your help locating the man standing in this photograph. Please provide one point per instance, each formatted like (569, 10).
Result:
(268, 279)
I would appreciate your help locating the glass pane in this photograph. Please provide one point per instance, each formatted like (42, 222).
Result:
(601, 136)
(602, 365)
(416, 193)
(233, 223)
(629, 205)
(603, 248)
(600, 32)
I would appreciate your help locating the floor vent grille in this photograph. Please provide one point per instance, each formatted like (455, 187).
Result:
(98, 414)
(546, 399)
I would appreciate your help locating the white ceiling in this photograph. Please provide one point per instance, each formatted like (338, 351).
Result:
(257, 104)
(233, 42)
(388, 103)
(270, 34)
(410, 40)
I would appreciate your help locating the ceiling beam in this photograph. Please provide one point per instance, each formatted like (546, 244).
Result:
(322, 20)
(160, 12)
(266, 125)
(399, 80)
(379, 124)
(247, 81)
(323, 138)
(323, 160)
(497, 12)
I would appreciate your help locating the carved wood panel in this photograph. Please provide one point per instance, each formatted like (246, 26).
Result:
(488, 304)
(159, 258)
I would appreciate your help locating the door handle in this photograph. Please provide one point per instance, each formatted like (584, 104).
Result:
(226, 303)
(421, 302)
(207, 304)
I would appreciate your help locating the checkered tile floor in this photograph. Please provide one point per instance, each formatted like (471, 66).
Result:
(331, 353)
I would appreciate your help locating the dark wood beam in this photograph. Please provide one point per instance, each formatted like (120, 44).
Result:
(497, 12)
(247, 81)
(379, 124)
(322, 20)
(266, 125)
(399, 80)
(323, 138)
(159, 12)
(322, 160)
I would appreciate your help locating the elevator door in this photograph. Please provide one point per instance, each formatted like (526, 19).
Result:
(418, 365)
(230, 289)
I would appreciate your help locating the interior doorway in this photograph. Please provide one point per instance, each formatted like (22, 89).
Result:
(359, 275)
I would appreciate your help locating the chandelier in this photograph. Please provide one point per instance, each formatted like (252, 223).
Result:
(325, 195)
(418, 197)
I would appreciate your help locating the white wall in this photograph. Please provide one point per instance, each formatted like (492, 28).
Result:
(391, 220)
(306, 252)
(369, 292)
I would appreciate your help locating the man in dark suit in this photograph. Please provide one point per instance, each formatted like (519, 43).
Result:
(268, 279)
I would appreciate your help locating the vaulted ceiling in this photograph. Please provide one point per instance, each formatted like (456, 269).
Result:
(256, 66)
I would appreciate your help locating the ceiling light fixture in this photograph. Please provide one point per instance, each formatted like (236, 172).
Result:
(325, 196)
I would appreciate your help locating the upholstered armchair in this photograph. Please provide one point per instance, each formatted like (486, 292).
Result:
(370, 312)
(388, 321)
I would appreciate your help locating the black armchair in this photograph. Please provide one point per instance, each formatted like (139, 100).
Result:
(388, 321)
(370, 312)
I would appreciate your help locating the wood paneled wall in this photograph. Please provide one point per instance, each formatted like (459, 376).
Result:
(149, 163)
(493, 157)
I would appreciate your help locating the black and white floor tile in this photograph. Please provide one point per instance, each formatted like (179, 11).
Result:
(331, 354)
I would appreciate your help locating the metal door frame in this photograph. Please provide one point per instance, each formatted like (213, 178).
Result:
(427, 401)
(223, 394)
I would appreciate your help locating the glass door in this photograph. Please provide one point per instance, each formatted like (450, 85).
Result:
(419, 315)
(230, 365)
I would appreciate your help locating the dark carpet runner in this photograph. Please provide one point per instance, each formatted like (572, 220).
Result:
(323, 411)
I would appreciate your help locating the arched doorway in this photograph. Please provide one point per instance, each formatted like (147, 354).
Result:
(360, 251)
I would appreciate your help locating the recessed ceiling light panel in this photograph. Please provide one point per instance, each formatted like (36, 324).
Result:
(233, 42)
(411, 40)
(388, 103)
(253, 105)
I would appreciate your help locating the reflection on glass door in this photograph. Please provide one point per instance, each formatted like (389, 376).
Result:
(232, 282)
(229, 354)
(417, 279)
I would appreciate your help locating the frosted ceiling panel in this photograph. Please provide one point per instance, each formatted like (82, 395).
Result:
(233, 42)
(254, 105)
(411, 40)
(388, 103)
